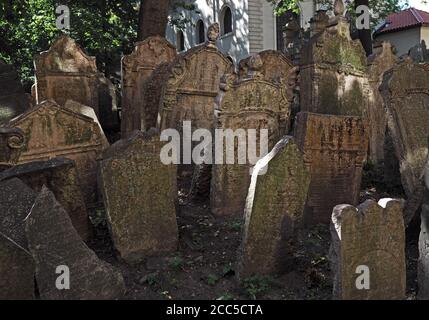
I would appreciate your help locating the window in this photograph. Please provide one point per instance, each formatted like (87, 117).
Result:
(226, 20)
(180, 41)
(201, 32)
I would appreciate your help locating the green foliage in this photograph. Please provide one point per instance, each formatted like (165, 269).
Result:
(177, 263)
(212, 279)
(256, 286)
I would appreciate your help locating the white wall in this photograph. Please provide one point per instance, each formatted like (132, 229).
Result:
(402, 40)
(425, 35)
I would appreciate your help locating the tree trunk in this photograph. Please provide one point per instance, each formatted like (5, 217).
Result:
(365, 36)
(153, 18)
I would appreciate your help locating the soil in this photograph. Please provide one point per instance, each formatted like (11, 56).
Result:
(204, 266)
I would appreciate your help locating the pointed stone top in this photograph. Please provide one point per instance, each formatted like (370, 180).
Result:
(213, 33)
(339, 8)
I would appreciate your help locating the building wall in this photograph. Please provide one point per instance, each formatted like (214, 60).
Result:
(425, 35)
(402, 40)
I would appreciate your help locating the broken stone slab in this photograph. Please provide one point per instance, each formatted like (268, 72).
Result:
(60, 176)
(274, 211)
(16, 264)
(140, 193)
(53, 242)
(367, 253)
(12, 143)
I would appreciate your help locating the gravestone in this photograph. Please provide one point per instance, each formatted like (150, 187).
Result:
(137, 69)
(368, 241)
(193, 83)
(423, 262)
(274, 210)
(60, 175)
(12, 143)
(419, 53)
(382, 60)
(243, 104)
(16, 264)
(140, 194)
(66, 72)
(335, 149)
(405, 90)
(333, 71)
(54, 242)
(13, 99)
(52, 131)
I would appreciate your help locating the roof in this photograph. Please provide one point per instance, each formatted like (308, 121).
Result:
(406, 19)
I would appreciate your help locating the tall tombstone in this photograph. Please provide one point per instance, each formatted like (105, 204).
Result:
(419, 53)
(53, 243)
(367, 253)
(405, 90)
(333, 69)
(13, 99)
(17, 267)
(137, 69)
(245, 103)
(193, 84)
(423, 262)
(107, 104)
(274, 210)
(52, 131)
(382, 60)
(60, 175)
(140, 193)
(66, 72)
(12, 143)
(335, 149)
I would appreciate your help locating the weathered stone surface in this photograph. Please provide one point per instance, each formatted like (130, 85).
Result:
(140, 194)
(274, 210)
(107, 103)
(13, 100)
(276, 66)
(333, 73)
(16, 264)
(60, 176)
(12, 143)
(137, 69)
(245, 103)
(423, 262)
(372, 235)
(54, 242)
(405, 90)
(334, 148)
(53, 131)
(65, 72)
(382, 60)
(419, 53)
(193, 84)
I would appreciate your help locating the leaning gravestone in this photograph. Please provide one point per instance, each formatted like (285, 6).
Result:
(334, 148)
(12, 143)
(274, 210)
(60, 175)
(193, 84)
(247, 103)
(53, 242)
(368, 241)
(423, 262)
(16, 264)
(139, 193)
(382, 60)
(405, 90)
(53, 131)
(137, 69)
(333, 72)
(13, 100)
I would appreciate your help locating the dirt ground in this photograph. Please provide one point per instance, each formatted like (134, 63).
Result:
(204, 266)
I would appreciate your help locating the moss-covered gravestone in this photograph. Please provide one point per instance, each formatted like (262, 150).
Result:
(139, 193)
(333, 68)
(368, 251)
(334, 148)
(54, 243)
(274, 210)
(16, 264)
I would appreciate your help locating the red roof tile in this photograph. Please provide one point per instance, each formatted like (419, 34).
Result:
(406, 19)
